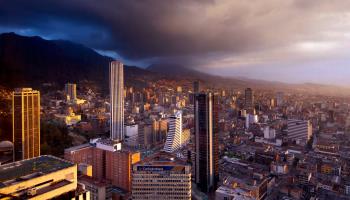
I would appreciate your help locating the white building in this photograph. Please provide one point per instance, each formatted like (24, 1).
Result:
(174, 137)
(116, 81)
(299, 130)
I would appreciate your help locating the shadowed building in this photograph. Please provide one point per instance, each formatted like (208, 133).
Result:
(206, 142)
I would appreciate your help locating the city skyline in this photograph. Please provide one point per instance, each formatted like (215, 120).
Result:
(140, 100)
(291, 41)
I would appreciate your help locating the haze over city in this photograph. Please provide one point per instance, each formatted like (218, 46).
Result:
(292, 41)
(175, 100)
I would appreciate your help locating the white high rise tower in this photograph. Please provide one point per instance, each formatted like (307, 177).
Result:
(174, 140)
(116, 87)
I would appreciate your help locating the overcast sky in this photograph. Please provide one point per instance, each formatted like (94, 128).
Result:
(283, 40)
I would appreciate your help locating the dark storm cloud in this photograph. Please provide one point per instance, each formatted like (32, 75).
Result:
(183, 30)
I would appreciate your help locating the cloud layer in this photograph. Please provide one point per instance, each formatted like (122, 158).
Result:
(206, 34)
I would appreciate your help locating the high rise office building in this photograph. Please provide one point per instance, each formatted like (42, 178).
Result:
(174, 137)
(206, 142)
(26, 123)
(116, 81)
(249, 99)
(161, 176)
(299, 130)
(71, 91)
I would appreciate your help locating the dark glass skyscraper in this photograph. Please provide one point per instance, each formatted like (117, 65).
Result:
(207, 147)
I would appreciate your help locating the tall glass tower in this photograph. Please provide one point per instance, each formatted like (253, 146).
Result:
(207, 142)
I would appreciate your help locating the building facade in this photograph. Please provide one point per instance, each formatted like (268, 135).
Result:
(206, 142)
(299, 130)
(161, 176)
(26, 123)
(108, 162)
(174, 137)
(116, 81)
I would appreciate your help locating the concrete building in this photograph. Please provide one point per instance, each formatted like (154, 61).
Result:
(299, 130)
(206, 142)
(26, 123)
(116, 81)
(174, 137)
(161, 176)
(108, 160)
(43, 177)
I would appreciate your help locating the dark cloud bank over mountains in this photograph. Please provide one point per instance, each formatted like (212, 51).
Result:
(191, 32)
(31, 61)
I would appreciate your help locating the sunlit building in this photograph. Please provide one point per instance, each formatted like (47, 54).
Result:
(43, 177)
(26, 123)
(108, 160)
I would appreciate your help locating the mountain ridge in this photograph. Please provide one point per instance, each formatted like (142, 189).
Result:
(31, 61)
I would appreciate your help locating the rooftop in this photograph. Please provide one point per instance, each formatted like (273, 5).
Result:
(30, 168)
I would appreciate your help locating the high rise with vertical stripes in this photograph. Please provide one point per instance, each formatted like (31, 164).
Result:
(116, 86)
(26, 123)
(206, 141)
(174, 137)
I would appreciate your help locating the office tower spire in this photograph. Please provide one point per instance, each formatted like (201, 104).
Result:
(116, 86)
(26, 123)
(206, 143)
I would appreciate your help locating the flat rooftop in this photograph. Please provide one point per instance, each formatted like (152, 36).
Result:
(26, 169)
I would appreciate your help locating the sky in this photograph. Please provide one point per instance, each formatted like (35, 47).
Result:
(292, 41)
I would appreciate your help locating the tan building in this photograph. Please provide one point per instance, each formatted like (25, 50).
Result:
(161, 176)
(43, 177)
(26, 123)
(108, 162)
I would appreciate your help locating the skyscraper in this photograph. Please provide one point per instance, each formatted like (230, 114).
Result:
(26, 123)
(174, 137)
(116, 86)
(206, 142)
(249, 99)
(71, 91)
